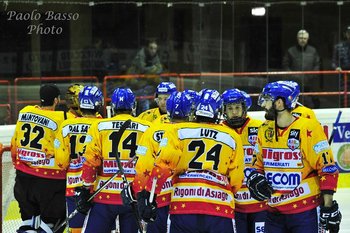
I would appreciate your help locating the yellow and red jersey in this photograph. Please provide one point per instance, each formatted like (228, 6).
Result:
(207, 162)
(244, 203)
(302, 111)
(147, 152)
(71, 115)
(298, 164)
(32, 145)
(150, 115)
(101, 154)
(70, 145)
(162, 119)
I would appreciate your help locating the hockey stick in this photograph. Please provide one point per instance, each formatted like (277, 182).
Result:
(151, 196)
(330, 140)
(109, 111)
(118, 137)
(125, 182)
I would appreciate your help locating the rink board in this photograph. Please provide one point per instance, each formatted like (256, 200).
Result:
(325, 116)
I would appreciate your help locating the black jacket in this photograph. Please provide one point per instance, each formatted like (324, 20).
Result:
(301, 59)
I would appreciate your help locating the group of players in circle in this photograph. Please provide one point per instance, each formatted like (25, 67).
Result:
(196, 163)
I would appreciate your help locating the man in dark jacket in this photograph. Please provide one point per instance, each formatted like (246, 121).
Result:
(341, 60)
(341, 53)
(303, 57)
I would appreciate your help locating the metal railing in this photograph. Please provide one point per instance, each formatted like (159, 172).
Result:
(221, 80)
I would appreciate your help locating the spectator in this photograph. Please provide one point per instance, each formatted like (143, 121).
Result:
(341, 58)
(341, 53)
(303, 57)
(147, 60)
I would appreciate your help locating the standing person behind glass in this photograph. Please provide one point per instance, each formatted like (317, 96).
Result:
(294, 168)
(146, 62)
(40, 183)
(341, 53)
(341, 56)
(303, 57)
(250, 214)
(164, 90)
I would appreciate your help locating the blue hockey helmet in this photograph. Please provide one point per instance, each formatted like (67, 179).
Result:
(123, 99)
(292, 84)
(193, 95)
(90, 97)
(248, 99)
(165, 88)
(232, 96)
(179, 105)
(209, 104)
(281, 89)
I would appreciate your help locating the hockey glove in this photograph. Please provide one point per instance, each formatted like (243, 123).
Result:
(82, 196)
(147, 209)
(259, 188)
(330, 217)
(128, 195)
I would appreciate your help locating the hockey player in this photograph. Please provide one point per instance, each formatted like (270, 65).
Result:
(70, 146)
(179, 106)
(194, 99)
(250, 214)
(293, 168)
(72, 100)
(164, 90)
(101, 164)
(40, 183)
(206, 160)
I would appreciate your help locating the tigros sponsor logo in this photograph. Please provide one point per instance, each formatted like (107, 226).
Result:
(281, 154)
(30, 155)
